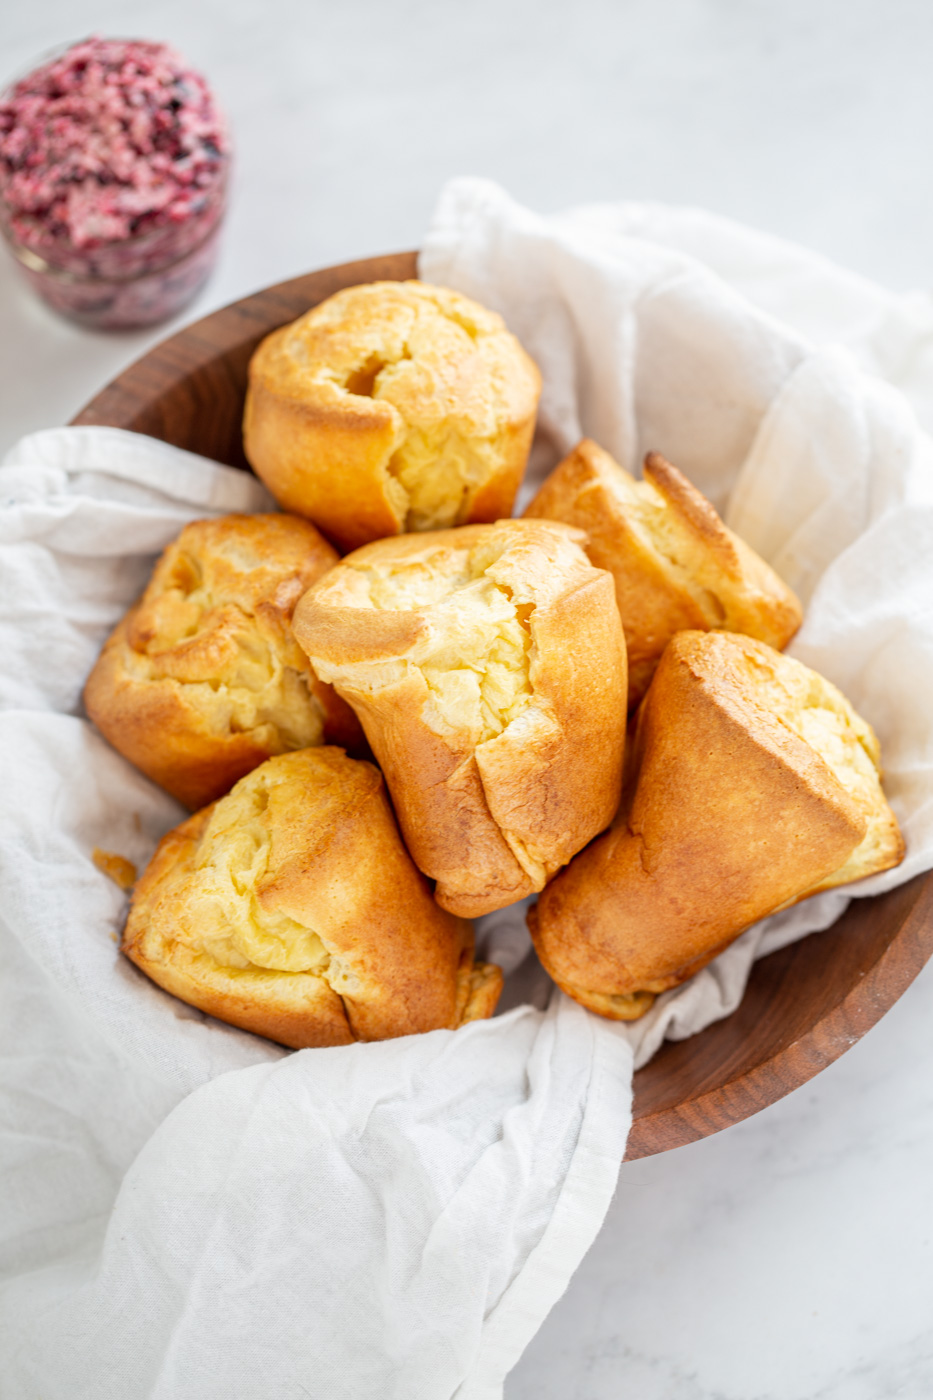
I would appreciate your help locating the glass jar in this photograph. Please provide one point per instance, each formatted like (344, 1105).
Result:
(114, 164)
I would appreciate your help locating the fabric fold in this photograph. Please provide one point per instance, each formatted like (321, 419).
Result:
(391, 1224)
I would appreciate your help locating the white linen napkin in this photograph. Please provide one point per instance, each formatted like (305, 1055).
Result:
(190, 1211)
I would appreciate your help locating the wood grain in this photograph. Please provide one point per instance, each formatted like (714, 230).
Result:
(804, 1006)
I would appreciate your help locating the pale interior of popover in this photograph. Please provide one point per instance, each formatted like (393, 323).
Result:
(440, 470)
(660, 530)
(225, 915)
(813, 709)
(435, 466)
(241, 675)
(476, 661)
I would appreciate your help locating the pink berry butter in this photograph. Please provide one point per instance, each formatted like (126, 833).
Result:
(113, 177)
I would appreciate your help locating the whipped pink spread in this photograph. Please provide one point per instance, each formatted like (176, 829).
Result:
(113, 159)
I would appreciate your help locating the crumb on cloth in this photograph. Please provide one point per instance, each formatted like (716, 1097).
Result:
(117, 868)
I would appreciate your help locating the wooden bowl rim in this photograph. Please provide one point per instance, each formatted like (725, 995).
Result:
(136, 399)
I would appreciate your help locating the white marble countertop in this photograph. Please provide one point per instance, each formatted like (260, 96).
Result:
(789, 1258)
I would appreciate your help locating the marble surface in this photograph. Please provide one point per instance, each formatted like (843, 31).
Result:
(789, 1258)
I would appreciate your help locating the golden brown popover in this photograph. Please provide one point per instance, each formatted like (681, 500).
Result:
(487, 666)
(203, 679)
(676, 566)
(390, 407)
(292, 909)
(753, 784)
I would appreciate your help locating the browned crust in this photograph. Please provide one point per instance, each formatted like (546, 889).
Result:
(337, 866)
(551, 779)
(159, 724)
(325, 465)
(741, 593)
(441, 803)
(732, 816)
(629, 1006)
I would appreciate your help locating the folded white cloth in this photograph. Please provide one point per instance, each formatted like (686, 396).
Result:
(188, 1210)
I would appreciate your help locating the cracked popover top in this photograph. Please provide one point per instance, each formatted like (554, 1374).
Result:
(391, 407)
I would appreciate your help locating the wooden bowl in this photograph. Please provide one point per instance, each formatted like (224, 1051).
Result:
(804, 1006)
